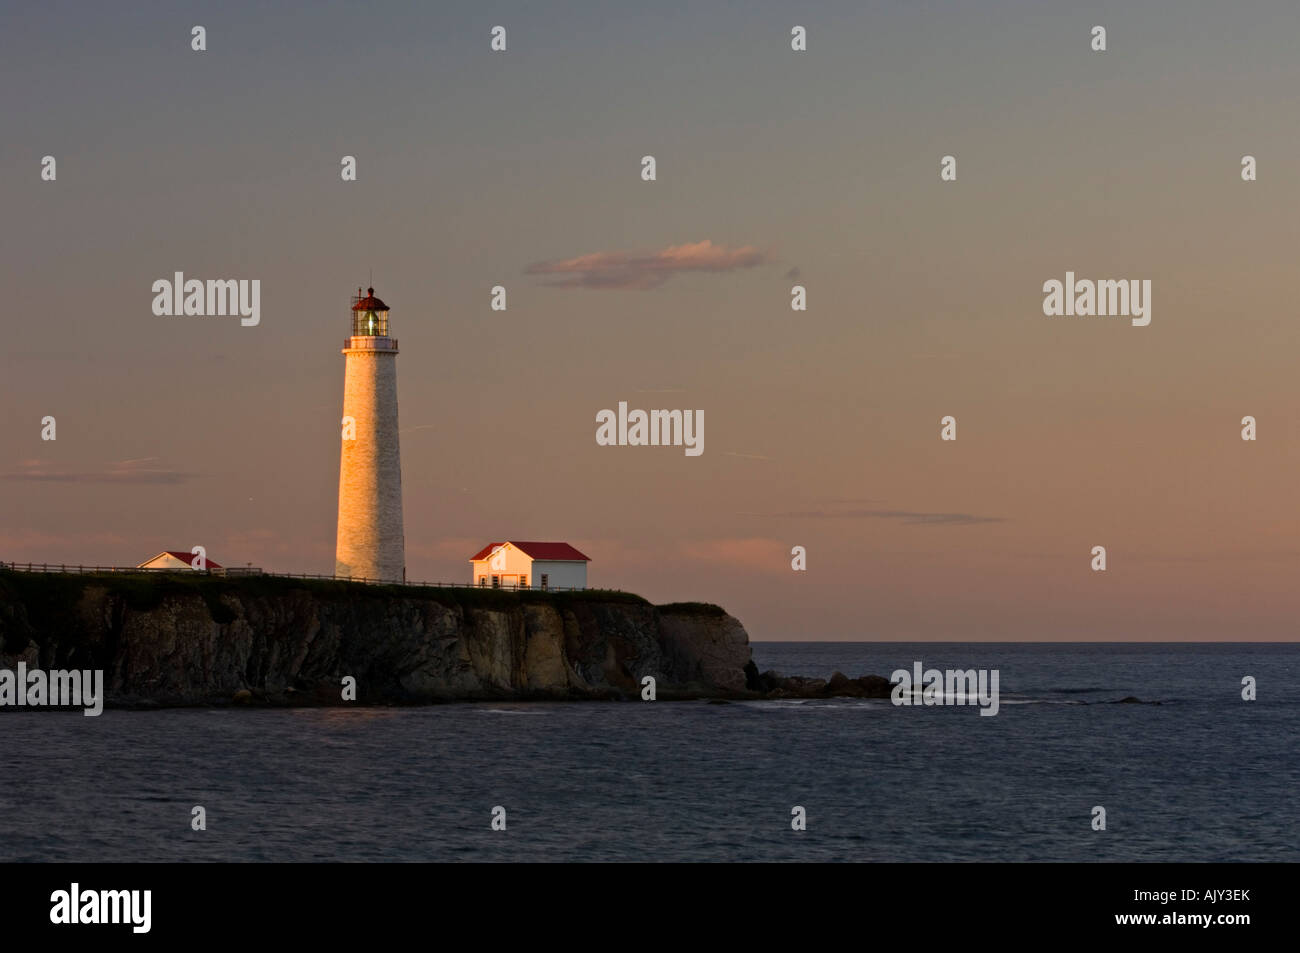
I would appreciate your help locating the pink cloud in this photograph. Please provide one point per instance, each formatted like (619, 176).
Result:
(121, 471)
(642, 270)
(754, 554)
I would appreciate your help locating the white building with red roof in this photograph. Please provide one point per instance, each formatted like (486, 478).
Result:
(514, 564)
(175, 559)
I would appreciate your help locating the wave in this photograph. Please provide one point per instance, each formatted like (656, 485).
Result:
(1081, 691)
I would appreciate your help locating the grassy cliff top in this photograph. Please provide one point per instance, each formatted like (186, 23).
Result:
(146, 590)
(692, 608)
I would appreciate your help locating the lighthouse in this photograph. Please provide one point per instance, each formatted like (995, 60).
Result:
(370, 542)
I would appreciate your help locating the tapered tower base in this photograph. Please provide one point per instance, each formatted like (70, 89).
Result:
(371, 543)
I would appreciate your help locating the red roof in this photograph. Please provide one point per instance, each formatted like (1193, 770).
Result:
(554, 552)
(369, 302)
(188, 558)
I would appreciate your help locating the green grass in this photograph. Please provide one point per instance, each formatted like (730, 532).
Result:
(693, 608)
(54, 595)
(58, 593)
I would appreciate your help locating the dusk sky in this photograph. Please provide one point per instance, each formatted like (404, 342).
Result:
(775, 168)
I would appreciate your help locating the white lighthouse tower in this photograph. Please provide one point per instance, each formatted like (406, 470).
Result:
(370, 544)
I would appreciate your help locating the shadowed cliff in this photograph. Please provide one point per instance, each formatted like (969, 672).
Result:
(181, 639)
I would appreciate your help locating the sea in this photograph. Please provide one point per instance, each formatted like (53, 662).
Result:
(1203, 775)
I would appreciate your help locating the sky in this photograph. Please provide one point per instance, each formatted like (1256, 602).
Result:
(774, 168)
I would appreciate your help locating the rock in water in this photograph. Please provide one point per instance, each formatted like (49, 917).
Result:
(875, 686)
(841, 685)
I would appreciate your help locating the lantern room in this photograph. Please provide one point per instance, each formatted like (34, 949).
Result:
(369, 315)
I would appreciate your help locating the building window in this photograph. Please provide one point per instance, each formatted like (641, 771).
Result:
(496, 582)
(546, 580)
(523, 582)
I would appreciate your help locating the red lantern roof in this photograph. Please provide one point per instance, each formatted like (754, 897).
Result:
(369, 302)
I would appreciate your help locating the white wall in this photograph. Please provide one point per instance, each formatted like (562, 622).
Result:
(516, 562)
(562, 574)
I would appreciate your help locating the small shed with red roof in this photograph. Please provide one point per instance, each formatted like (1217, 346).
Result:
(175, 559)
(528, 565)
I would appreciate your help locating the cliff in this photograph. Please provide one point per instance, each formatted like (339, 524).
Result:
(190, 639)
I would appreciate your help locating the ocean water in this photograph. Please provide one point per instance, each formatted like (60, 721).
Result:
(1204, 776)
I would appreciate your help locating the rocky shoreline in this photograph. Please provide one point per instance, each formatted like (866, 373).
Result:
(771, 684)
(188, 639)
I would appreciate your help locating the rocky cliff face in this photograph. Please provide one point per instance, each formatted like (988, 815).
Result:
(179, 640)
